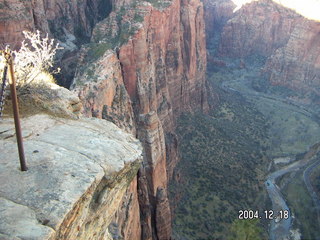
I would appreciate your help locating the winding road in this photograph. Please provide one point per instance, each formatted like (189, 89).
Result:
(280, 228)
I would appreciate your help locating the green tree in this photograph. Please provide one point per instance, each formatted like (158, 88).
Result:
(245, 230)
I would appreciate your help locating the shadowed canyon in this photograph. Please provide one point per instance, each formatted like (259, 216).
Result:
(168, 120)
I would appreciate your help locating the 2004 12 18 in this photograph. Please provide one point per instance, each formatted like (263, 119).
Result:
(266, 214)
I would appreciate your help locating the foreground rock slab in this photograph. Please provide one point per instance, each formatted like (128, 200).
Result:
(78, 173)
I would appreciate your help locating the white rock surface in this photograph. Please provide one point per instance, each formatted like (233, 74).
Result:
(64, 158)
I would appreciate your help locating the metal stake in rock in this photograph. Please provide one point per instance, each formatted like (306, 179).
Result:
(3, 89)
(12, 82)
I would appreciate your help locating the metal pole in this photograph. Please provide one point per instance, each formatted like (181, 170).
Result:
(3, 88)
(12, 83)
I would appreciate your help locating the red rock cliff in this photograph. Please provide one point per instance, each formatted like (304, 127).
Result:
(259, 27)
(54, 17)
(161, 71)
(216, 13)
(297, 64)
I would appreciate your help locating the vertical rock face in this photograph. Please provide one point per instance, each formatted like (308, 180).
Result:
(101, 89)
(54, 17)
(259, 27)
(167, 59)
(17, 16)
(152, 136)
(216, 13)
(126, 222)
(161, 70)
(297, 64)
(163, 215)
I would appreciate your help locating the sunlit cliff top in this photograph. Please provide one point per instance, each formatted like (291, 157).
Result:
(307, 8)
(67, 161)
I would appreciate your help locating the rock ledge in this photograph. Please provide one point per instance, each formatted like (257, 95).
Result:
(78, 173)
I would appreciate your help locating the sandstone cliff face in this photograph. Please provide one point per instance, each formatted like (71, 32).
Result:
(54, 17)
(216, 13)
(258, 28)
(17, 16)
(162, 66)
(163, 215)
(297, 64)
(102, 92)
(126, 221)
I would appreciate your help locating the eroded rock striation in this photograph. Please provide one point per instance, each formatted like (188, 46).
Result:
(58, 18)
(257, 28)
(161, 70)
(79, 172)
(216, 13)
(297, 64)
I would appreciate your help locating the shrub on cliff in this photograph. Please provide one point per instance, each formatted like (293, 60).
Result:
(35, 58)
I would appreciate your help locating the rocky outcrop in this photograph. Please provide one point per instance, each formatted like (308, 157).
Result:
(78, 174)
(46, 98)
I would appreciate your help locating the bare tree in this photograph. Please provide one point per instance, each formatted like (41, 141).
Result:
(35, 56)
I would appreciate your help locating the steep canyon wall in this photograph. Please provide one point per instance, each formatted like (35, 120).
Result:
(56, 18)
(144, 66)
(147, 82)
